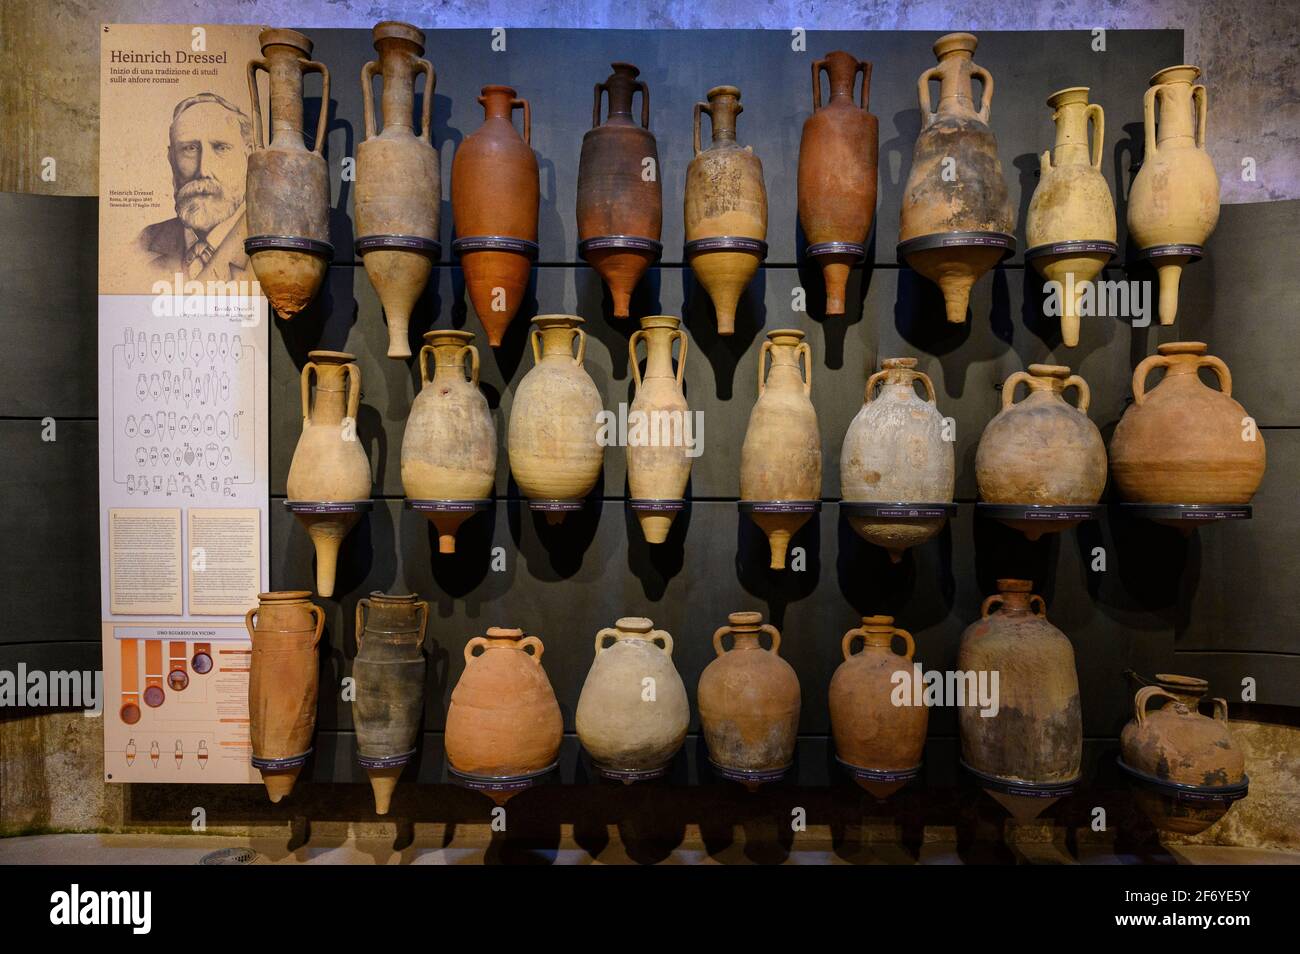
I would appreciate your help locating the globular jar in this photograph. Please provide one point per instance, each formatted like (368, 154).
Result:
(389, 678)
(399, 185)
(1041, 451)
(725, 208)
(329, 465)
(1071, 221)
(956, 220)
(504, 721)
(283, 677)
(896, 451)
(288, 186)
(1173, 205)
(620, 205)
(838, 153)
(661, 433)
(632, 734)
(449, 448)
(494, 201)
(781, 458)
(879, 741)
(553, 436)
(749, 703)
(1183, 441)
(1028, 752)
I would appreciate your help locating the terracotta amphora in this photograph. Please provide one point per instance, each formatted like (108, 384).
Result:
(555, 455)
(725, 208)
(389, 673)
(288, 185)
(1183, 441)
(1041, 451)
(504, 721)
(1173, 205)
(781, 458)
(749, 703)
(449, 448)
(660, 427)
(399, 184)
(1071, 222)
(956, 221)
(880, 741)
(1028, 754)
(895, 451)
(283, 677)
(1174, 744)
(837, 173)
(620, 208)
(632, 714)
(329, 464)
(494, 200)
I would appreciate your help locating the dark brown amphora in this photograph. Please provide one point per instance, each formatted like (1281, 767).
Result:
(288, 184)
(620, 197)
(389, 674)
(837, 173)
(399, 185)
(494, 199)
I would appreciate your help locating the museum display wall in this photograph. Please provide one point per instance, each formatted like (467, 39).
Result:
(1131, 595)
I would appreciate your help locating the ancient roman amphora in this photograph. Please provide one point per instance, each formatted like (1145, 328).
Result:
(494, 199)
(399, 185)
(1071, 221)
(283, 676)
(329, 465)
(1042, 451)
(877, 740)
(1028, 754)
(781, 459)
(389, 673)
(555, 454)
(956, 221)
(749, 703)
(1173, 205)
(895, 451)
(1188, 769)
(504, 721)
(1183, 441)
(632, 714)
(660, 427)
(288, 186)
(837, 173)
(620, 206)
(725, 208)
(449, 448)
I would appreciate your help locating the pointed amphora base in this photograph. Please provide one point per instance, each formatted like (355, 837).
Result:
(1170, 272)
(398, 278)
(383, 782)
(289, 280)
(835, 274)
(779, 528)
(279, 784)
(621, 269)
(1023, 808)
(327, 532)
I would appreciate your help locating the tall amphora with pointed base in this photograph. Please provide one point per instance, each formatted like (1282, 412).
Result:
(659, 459)
(449, 448)
(837, 173)
(781, 458)
(1071, 220)
(956, 221)
(1174, 203)
(283, 677)
(725, 208)
(620, 194)
(329, 465)
(389, 673)
(399, 185)
(288, 191)
(494, 200)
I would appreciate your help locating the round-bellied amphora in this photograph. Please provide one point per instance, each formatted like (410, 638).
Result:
(632, 714)
(658, 461)
(283, 677)
(288, 187)
(399, 185)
